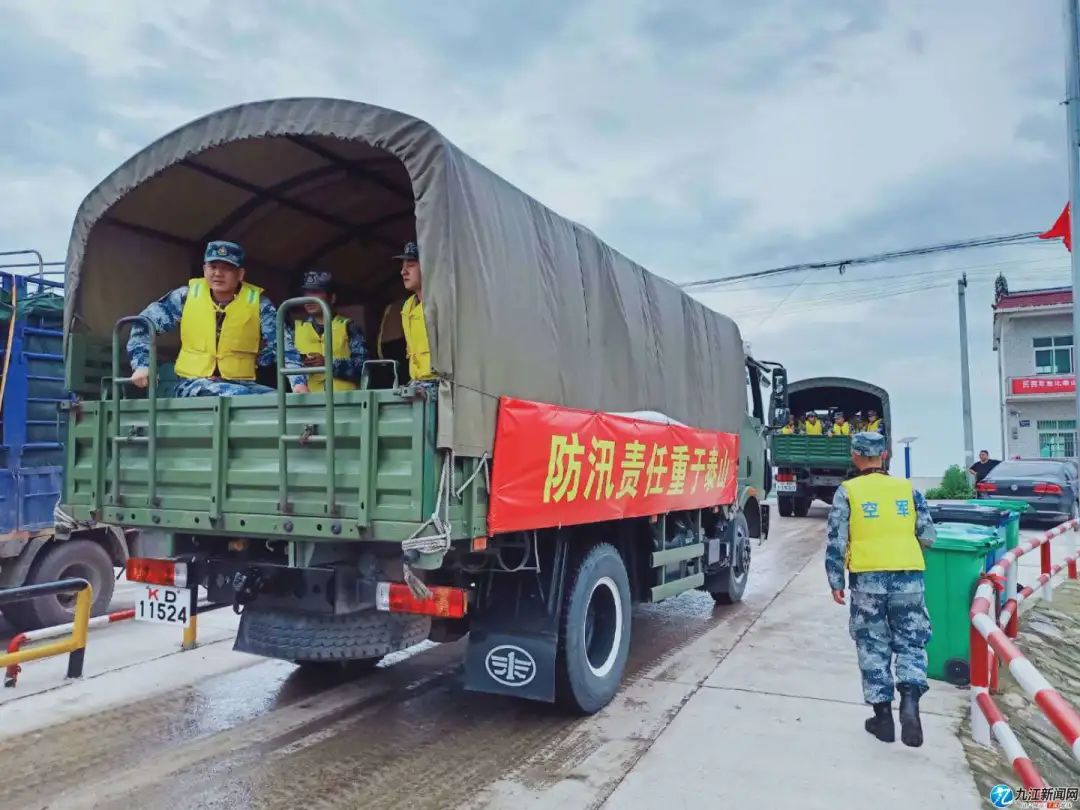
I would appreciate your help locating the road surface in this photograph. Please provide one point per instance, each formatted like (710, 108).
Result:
(261, 734)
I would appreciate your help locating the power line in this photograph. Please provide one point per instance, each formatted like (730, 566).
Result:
(861, 296)
(987, 241)
(1043, 264)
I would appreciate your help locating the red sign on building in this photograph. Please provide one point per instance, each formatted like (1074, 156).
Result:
(556, 466)
(1043, 385)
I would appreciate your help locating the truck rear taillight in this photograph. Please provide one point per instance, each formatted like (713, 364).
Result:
(1047, 489)
(445, 603)
(157, 572)
(986, 486)
(785, 476)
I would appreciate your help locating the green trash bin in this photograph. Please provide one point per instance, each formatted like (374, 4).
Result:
(953, 566)
(1017, 508)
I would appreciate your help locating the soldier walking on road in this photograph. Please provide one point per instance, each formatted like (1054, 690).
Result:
(876, 526)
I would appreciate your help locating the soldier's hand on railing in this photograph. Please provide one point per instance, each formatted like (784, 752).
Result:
(300, 388)
(140, 378)
(312, 360)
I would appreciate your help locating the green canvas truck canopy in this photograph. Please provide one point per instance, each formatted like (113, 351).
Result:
(518, 300)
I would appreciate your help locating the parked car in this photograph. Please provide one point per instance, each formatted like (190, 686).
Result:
(1050, 486)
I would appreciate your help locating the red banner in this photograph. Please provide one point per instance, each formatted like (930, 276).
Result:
(1043, 385)
(556, 466)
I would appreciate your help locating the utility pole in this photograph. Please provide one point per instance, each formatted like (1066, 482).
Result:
(965, 376)
(1072, 108)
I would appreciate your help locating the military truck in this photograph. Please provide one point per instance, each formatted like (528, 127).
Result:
(589, 443)
(812, 467)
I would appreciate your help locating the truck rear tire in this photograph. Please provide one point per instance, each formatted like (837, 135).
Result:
(306, 638)
(802, 506)
(65, 559)
(594, 642)
(785, 505)
(731, 582)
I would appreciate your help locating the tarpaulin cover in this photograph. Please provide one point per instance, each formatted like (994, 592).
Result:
(45, 304)
(558, 466)
(518, 300)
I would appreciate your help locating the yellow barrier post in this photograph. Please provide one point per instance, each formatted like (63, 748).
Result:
(191, 631)
(75, 644)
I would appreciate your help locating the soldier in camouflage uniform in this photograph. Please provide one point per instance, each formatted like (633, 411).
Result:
(227, 306)
(876, 529)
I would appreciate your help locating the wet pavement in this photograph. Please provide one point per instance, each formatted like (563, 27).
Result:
(403, 735)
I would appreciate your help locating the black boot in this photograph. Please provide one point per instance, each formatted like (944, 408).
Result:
(910, 724)
(881, 724)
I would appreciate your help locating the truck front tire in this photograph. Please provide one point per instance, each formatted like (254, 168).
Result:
(730, 583)
(594, 642)
(67, 559)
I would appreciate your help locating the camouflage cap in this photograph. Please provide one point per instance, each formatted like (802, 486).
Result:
(318, 280)
(410, 253)
(867, 444)
(228, 252)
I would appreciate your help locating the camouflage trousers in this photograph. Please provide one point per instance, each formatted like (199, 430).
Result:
(884, 626)
(205, 387)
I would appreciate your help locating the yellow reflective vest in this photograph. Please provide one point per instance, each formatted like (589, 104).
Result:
(841, 430)
(232, 355)
(813, 428)
(881, 533)
(308, 341)
(874, 427)
(416, 340)
(787, 430)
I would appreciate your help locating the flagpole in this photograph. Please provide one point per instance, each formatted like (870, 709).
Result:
(1072, 107)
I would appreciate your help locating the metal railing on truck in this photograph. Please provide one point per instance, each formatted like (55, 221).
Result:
(211, 452)
(148, 435)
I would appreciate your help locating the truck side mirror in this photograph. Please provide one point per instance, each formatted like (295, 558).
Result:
(778, 400)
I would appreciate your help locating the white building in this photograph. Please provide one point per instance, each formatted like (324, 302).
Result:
(1033, 338)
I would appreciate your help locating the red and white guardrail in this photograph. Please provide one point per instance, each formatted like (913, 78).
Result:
(11, 674)
(991, 641)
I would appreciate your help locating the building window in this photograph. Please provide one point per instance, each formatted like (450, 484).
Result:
(1057, 437)
(1054, 355)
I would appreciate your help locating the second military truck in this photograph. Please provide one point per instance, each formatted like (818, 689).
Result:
(811, 468)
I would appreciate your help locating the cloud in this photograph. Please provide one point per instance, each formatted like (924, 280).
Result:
(699, 139)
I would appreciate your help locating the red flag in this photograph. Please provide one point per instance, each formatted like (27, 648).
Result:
(1060, 228)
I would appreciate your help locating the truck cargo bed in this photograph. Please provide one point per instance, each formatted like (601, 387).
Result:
(217, 466)
(815, 451)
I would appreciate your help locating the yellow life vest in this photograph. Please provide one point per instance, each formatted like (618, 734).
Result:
(308, 341)
(874, 427)
(882, 525)
(232, 354)
(416, 340)
(787, 430)
(813, 428)
(841, 430)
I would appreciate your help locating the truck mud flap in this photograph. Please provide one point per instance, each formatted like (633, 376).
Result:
(513, 644)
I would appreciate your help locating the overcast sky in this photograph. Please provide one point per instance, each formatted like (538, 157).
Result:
(699, 138)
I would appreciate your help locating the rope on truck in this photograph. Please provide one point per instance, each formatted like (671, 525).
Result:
(438, 543)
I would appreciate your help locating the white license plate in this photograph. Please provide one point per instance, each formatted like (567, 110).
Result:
(786, 486)
(163, 604)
